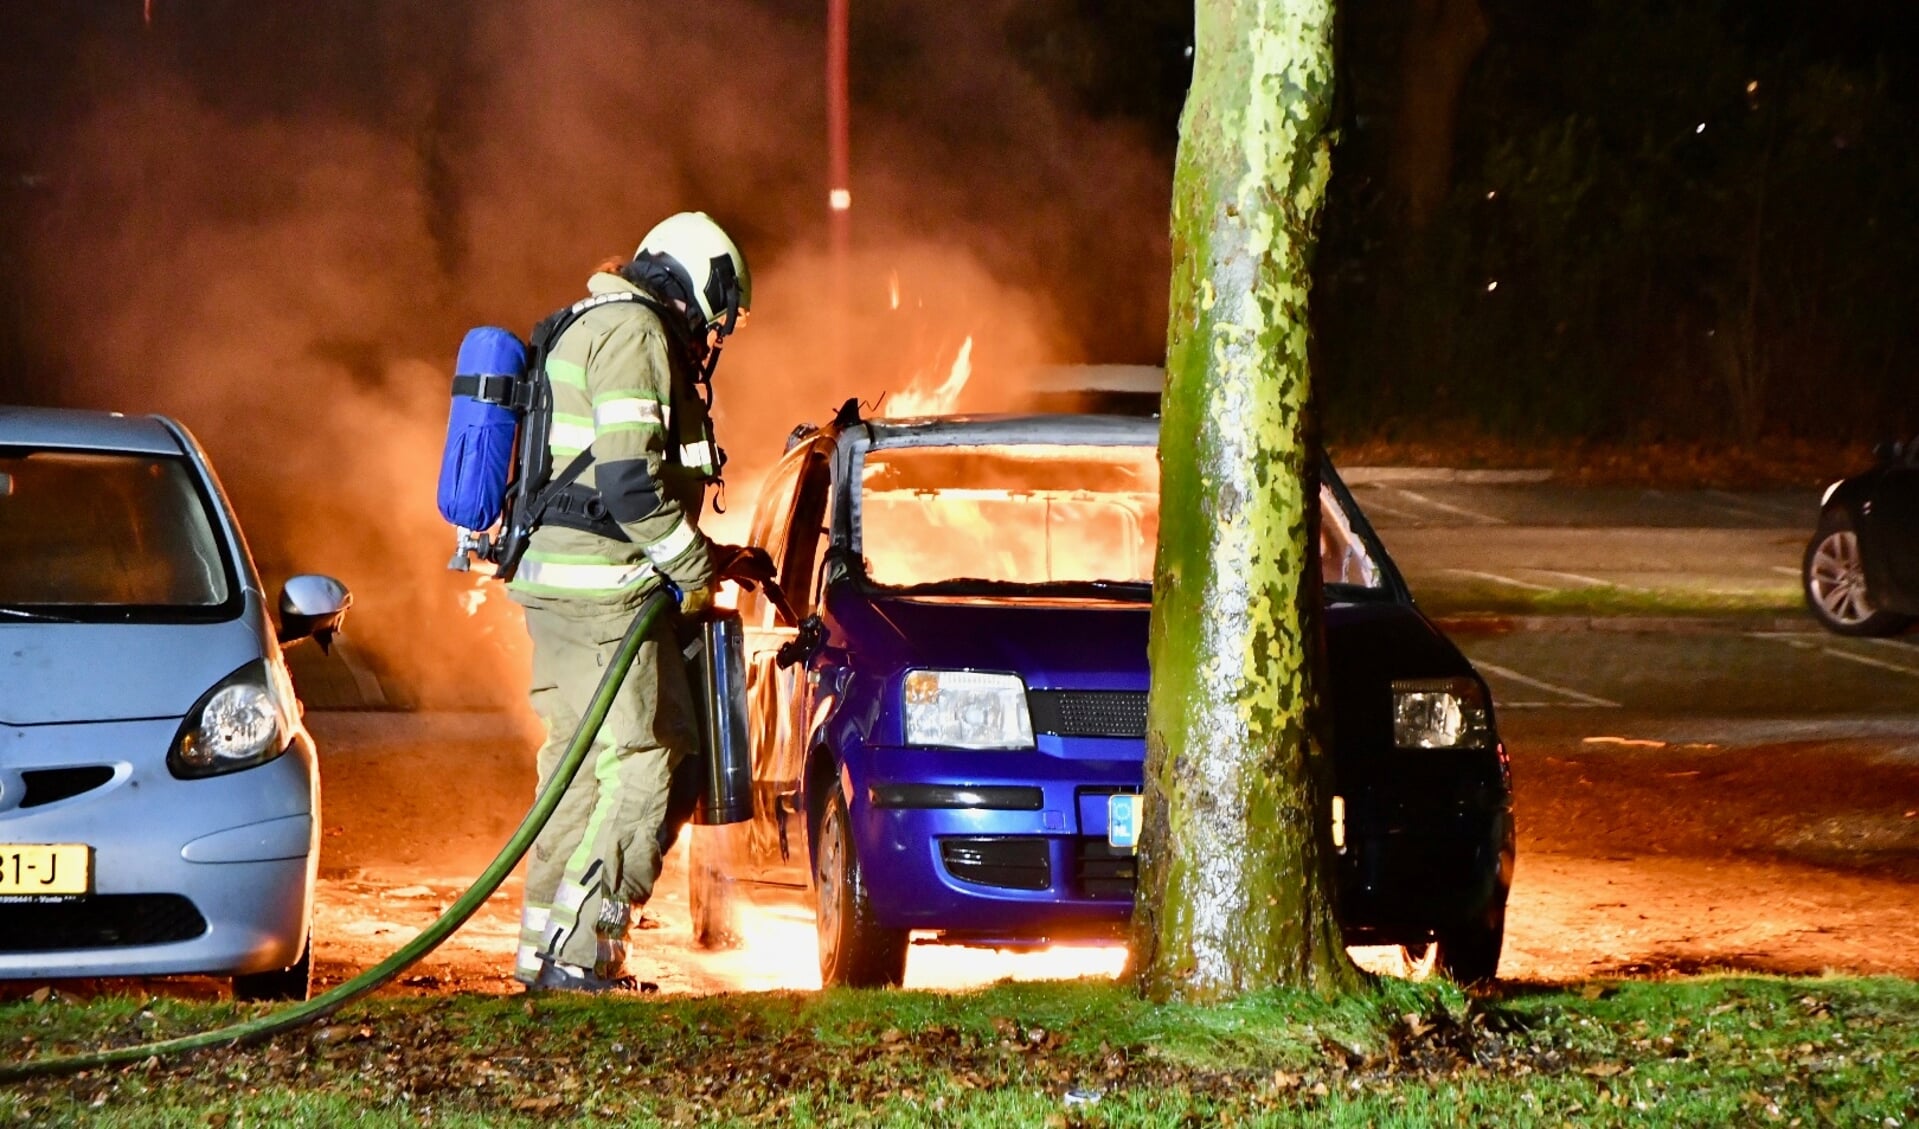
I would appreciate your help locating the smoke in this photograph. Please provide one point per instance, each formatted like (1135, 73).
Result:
(291, 277)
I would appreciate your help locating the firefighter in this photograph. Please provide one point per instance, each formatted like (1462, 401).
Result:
(630, 385)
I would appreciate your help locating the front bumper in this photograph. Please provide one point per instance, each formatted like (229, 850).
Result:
(1031, 863)
(210, 876)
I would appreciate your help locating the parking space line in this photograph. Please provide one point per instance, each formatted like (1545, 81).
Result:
(1461, 511)
(1735, 504)
(1896, 644)
(1799, 642)
(1503, 579)
(1375, 506)
(1868, 660)
(1592, 700)
(1589, 581)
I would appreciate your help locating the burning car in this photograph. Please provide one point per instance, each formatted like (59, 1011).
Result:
(956, 689)
(158, 791)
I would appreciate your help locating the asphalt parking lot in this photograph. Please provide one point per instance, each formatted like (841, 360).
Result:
(1467, 540)
(1731, 789)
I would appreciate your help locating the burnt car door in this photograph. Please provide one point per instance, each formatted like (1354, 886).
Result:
(1889, 532)
(792, 528)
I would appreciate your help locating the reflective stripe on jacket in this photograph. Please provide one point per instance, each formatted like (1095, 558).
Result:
(612, 378)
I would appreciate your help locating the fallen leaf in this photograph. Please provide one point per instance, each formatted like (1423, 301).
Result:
(892, 1035)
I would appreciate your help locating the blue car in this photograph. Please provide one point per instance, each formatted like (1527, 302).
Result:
(159, 796)
(956, 691)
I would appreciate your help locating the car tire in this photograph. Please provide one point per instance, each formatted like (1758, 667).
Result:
(710, 888)
(292, 983)
(1833, 577)
(1469, 951)
(855, 951)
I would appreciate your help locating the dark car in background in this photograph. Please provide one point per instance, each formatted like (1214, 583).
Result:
(1861, 568)
(942, 720)
(159, 793)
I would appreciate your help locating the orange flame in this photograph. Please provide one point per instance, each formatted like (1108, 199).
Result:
(920, 401)
(893, 289)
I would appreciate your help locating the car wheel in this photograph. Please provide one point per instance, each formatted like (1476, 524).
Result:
(1835, 581)
(281, 984)
(710, 889)
(855, 952)
(1469, 952)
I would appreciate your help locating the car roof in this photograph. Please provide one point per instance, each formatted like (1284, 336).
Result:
(90, 431)
(1071, 430)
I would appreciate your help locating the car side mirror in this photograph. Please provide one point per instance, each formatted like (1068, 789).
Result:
(312, 607)
(1888, 450)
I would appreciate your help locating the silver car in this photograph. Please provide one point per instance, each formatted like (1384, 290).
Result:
(159, 796)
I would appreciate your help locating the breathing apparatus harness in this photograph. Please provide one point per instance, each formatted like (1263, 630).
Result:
(535, 494)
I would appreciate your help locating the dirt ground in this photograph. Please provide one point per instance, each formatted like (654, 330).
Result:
(1636, 857)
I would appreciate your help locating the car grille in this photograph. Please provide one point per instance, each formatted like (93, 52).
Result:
(104, 921)
(1101, 870)
(1004, 861)
(1088, 713)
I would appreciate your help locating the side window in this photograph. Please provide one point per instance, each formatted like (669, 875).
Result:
(807, 535)
(771, 518)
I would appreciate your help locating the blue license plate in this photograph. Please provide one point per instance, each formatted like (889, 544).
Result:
(1122, 820)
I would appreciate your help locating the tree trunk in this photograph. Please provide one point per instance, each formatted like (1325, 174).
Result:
(1234, 894)
(1442, 40)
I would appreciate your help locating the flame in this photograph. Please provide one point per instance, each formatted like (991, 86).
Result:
(920, 401)
(780, 947)
(893, 289)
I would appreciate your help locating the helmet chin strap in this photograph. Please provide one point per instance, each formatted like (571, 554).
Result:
(706, 367)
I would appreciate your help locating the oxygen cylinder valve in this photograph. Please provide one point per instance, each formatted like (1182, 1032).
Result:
(469, 544)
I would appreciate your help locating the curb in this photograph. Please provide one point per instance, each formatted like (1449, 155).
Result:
(1428, 476)
(1494, 624)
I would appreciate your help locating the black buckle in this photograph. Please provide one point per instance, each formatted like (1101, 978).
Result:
(495, 388)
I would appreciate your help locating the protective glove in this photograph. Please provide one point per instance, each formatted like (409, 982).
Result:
(748, 564)
(696, 601)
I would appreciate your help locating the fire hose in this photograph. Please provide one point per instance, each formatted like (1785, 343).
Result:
(321, 1006)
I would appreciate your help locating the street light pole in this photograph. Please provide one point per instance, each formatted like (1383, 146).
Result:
(839, 191)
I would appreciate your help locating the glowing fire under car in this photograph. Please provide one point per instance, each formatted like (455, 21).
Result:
(943, 716)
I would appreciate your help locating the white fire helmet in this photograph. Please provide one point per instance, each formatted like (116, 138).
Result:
(715, 270)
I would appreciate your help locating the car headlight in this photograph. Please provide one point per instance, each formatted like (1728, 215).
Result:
(1440, 713)
(245, 720)
(964, 709)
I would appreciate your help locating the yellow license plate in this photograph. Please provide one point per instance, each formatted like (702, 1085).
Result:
(45, 869)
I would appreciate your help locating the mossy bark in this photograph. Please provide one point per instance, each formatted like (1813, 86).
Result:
(1234, 891)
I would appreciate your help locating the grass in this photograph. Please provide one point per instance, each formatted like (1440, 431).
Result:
(1702, 1051)
(1608, 600)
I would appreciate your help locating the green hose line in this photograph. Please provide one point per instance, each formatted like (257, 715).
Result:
(321, 1006)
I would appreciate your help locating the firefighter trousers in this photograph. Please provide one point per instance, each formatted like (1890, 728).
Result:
(594, 863)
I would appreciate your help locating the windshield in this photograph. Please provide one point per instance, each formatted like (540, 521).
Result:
(87, 531)
(1031, 514)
